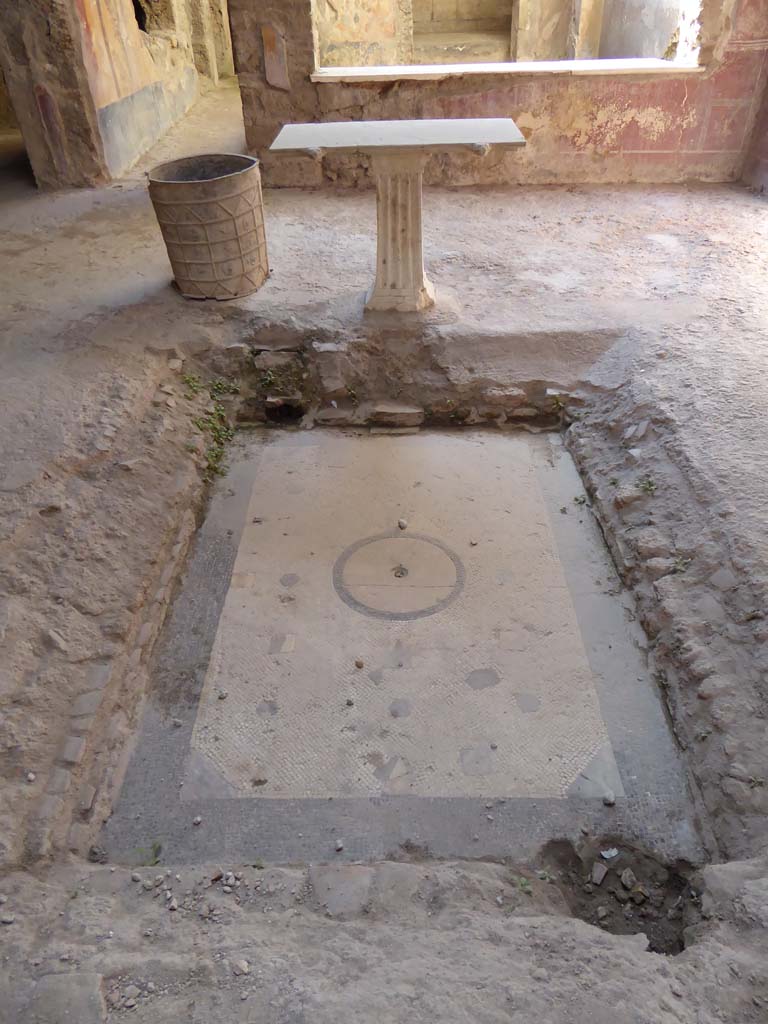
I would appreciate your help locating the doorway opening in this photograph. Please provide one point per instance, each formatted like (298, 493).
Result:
(15, 169)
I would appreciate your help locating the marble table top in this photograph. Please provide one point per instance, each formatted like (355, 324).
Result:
(372, 136)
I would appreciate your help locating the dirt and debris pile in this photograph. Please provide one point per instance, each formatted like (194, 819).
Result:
(391, 942)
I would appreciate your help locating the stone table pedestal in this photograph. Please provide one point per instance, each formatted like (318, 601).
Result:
(401, 282)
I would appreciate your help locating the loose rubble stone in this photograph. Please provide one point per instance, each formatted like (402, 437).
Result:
(241, 967)
(599, 871)
(639, 894)
(628, 879)
(609, 798)
(54, 639)
(403, 524)
(197, 820)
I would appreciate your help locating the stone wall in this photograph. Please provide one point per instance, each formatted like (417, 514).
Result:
(585, 128)
(353, 33)
(141, 82)
(461, 15)
(7, 116)
(42, 62)
(756, 169)
(94, 83)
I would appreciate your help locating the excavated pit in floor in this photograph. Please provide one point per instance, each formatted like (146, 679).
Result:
(385, 643)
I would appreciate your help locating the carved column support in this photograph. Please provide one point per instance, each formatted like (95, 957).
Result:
(401, 283)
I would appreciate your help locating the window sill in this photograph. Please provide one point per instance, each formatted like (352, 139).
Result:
(433, 72)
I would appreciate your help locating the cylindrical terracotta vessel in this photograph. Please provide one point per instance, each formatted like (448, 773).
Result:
(211, 213)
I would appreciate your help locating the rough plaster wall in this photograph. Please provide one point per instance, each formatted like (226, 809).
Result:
(201, 33)
(716, 21)
(141, 82)
(461, 15)
(638, 28)
(756, 169)
(42, 62)
(579, 129)
(166, 16)
(7, 116)
(222, 39)
(544, 30)
(361, 32)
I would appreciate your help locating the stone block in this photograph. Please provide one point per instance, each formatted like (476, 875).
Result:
(78, 838)
(86, 704)
(85, 798)
(49, 807)
(332, 417)
(394, 431)
(396, 414)
(504, 398)
(98, 675)
(73, 750)
(276, 361)
(145, 634)
(67, 999)
(238, 350)
(331, 379)
(18, 474)
(59, 781)
(198, 341)
(723, 579)
(164, 348)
